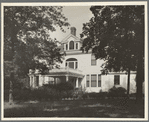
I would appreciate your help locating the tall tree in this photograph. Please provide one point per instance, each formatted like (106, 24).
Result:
(116, 34)
(28, 28)
(27, 36)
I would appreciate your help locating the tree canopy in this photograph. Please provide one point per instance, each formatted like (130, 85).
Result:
(27, 40)
(116, 35)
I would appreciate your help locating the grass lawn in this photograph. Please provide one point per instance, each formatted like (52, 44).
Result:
(102, 108)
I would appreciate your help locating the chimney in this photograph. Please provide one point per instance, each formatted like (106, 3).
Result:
(73, 31)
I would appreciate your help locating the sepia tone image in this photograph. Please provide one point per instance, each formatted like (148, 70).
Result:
(74, 61)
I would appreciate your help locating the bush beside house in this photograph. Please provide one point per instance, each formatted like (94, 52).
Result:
(117, 92)
(58, 92)
(46, 92)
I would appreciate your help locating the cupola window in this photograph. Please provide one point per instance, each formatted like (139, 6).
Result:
(76, 45)
(66, 47)
(71, 45)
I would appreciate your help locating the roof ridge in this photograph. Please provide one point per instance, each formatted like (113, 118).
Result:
(63, 40)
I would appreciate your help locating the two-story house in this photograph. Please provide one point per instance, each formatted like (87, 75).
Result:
(82, 69)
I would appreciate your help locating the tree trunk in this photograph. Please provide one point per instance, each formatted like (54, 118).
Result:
(128, 83)
(10, 94)
(139, 78)
(11, 89)
(13, 40)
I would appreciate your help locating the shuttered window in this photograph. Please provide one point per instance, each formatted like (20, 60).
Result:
(116, 80)
(99, 80)
(93, 80)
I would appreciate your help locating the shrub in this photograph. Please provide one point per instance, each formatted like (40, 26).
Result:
(85, 96)
(94, 95)
(117, 92)
(53, 91)
(64, 86)
(44, 93)
(102, 94)
(6, 95)
(21, 94)
(77, 93)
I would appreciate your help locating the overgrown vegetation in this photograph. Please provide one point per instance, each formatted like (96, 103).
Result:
(58, 92)
(116, 35)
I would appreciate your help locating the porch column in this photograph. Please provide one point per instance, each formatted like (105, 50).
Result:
(30, 80)
(43, 80)
(66, 78)
(74, 45)
(77, 80)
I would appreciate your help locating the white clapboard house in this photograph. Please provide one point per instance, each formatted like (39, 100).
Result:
(82, 70)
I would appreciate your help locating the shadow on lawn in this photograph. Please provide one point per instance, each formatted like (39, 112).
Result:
(78, 108)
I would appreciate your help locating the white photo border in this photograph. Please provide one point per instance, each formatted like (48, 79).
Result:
(145, 3)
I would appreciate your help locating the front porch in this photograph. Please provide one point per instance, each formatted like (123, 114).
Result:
(56, 76)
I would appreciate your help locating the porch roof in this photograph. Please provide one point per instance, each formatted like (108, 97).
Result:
(65, 72)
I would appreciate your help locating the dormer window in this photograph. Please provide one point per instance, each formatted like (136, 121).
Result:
(71, 45)
(66, 46)
(76, 45)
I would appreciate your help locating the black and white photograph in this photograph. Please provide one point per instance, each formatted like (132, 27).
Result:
(74, 61)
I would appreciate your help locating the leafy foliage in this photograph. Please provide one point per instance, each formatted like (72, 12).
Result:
(27, 39)
(46, 92)
(116, 35)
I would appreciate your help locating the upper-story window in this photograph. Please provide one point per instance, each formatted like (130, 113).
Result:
(71, 45)
(66, 46)
(76, 45)
(93, 60)
(72, 63)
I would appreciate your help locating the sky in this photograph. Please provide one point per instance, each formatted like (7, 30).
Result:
(77, 15)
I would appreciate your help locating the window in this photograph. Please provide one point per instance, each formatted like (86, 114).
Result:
(72, 63)
(99, 80)
(66, 47)
(116, 79)
(93, 60)
(37, 81)
(76, 65)
(93, 80)
(76, 45)
(71, 45)
(87, 80)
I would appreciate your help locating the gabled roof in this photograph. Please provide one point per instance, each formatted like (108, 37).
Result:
(67, 37)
